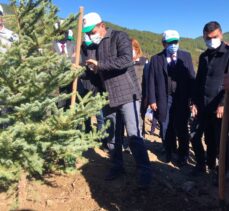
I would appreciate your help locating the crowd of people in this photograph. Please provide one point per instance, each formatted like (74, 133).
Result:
(166, 83)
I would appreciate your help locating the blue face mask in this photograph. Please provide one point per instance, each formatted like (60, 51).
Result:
(172, 48)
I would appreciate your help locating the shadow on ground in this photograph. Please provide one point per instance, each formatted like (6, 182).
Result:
(172, 188)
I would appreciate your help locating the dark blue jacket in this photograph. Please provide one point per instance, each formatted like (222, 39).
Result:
(158, 84)
(209, 91)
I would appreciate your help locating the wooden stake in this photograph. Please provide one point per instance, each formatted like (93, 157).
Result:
(77, 58)
(222, 152)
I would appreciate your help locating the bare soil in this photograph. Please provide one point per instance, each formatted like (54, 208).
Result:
(173, 188)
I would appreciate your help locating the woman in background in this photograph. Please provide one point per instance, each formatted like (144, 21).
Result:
(141, 68)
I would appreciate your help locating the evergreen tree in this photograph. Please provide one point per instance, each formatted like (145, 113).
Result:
(36, 136)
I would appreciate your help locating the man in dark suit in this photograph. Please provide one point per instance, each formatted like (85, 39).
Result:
(66, 47)
(208, 101)
(170, 82)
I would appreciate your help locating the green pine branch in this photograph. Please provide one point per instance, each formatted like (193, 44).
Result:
(36, 136)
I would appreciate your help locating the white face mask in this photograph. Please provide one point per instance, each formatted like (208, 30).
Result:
(172, 48)
(213, 43)
(96, 38)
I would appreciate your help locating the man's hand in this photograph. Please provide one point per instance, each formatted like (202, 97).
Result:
(92, 65)
(92, 61)
(153, 106)
(194, 110)
(219, 112)
(226, 82)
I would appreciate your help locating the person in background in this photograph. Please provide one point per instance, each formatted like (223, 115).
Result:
(65, 47)
(113, 62)
(141, 66)
(90, 82)
(208, 101)
(141, 70)
(7, 37)
(171, 79)
(139, 60)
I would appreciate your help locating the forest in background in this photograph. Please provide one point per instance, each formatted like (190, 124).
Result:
(151, 42)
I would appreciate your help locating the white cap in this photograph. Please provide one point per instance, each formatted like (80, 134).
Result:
(90, 20)
(58, 24)
(170, 35)
(1, 10)
(70, 35)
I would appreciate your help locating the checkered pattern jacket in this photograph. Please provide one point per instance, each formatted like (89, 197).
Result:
(116, 68)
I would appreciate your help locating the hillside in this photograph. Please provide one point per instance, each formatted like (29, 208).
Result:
(7, 9)
(150, 41)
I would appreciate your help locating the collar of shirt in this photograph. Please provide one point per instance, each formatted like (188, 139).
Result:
(170, 57)
(108, 33)
(65, 47)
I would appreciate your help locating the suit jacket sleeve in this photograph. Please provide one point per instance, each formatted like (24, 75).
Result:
(123, 59)
(145, 77)
(197, 82)
(151, 82)
(192, 76)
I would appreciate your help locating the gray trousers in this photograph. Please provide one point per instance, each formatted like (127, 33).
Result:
(128, 115)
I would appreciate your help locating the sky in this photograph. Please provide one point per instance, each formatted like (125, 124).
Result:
(186, 16)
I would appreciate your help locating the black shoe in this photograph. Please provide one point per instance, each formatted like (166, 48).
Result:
(127, 150)
(212, 167)
(214, 178)
(105, 148)
(168, 157)
(198, 170)
(114, 174)
(182, 161)
(214, 173)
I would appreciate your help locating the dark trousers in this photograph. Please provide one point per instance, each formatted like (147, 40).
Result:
(65, 103)
(100, 123)
(208, 124)
(154, 122)
(175, 125)
(99, 119)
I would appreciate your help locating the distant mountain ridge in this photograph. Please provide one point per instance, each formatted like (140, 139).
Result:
(150, 41)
